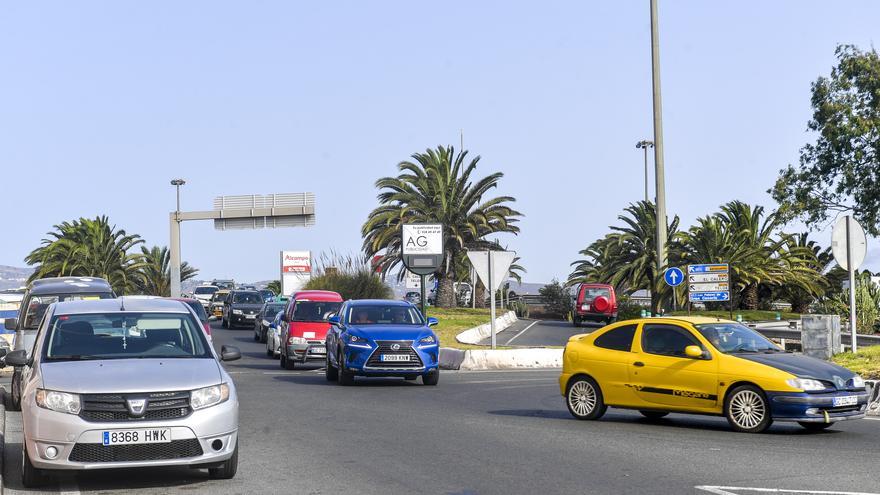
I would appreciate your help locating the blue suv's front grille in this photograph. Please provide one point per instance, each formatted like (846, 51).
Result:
(385, 347)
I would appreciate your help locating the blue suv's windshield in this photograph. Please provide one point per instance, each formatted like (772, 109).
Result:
(124, 336)
(384, 315)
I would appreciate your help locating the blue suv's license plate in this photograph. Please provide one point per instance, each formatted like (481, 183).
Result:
(135, 437)
(395, 357)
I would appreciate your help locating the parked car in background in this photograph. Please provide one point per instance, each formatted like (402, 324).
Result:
(204, 293)
(382, 338)
(273, 337)
(241, 307)
(125, 384)
(305, 325)
(265, 317)
(704, 366)
(413, 297)
(40, 294)
(217, 302)
(594, 302)
(199, 310)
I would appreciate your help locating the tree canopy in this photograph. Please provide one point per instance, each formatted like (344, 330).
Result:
(840, 171)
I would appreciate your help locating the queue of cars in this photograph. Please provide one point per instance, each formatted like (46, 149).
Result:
(106, 382)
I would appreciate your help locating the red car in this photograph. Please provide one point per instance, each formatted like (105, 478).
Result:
(304, 326)
(596, 303)
(197, 307)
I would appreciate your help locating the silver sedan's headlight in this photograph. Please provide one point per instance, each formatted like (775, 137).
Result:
(209, 396)
(58, 401)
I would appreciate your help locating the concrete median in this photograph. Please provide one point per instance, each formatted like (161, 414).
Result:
(873, 397)
(479, 333)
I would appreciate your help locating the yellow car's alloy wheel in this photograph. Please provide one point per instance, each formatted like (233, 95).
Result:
(584, 399)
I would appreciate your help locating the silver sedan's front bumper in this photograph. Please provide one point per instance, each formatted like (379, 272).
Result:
(44, 428)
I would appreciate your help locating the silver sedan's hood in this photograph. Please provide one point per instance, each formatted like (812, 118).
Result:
(130, 375)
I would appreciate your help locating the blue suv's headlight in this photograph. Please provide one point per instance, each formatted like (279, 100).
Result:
(357, 341)
(429, 340)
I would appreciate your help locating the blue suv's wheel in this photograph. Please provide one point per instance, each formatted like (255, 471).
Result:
(431, 377)
(344, 377)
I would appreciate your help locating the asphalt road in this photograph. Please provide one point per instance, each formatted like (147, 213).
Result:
(479, 433)
(539, 333)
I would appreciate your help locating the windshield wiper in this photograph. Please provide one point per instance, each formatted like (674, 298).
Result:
(75, 357)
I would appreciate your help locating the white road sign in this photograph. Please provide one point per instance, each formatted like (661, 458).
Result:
(414, 281)
(709, 287)
(501, 261)
(422, 239)
(857, 239)
(708, 277)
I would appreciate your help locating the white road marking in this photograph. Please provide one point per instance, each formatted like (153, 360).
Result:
(67, 486)
(522, 332)
(872, 419)
(512, 380)
(725, 490)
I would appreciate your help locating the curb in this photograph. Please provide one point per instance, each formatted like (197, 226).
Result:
(873, 397)
(479, 333)
(501, 359)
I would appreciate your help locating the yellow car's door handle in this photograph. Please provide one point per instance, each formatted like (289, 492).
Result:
(639, 364)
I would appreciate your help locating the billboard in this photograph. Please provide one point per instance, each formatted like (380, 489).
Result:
(296, 270)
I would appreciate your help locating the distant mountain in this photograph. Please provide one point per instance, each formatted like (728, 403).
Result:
(12, 277)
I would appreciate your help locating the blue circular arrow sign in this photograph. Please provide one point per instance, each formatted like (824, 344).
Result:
(673, 276)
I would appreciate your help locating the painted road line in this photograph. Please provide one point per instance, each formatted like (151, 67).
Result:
(738, 490)
(67, 486)
(524, 330)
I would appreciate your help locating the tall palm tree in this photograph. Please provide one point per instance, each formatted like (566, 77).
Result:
(437, 187)
(156, 272)
(90, 247)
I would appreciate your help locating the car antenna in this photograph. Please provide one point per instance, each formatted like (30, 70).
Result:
(121, 303)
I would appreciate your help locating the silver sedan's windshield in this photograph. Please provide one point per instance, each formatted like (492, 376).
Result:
(731, 338)
(124, 336)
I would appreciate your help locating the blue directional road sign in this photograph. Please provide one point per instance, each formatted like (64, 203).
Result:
(709, 268)
(673, 276)
(710, 296)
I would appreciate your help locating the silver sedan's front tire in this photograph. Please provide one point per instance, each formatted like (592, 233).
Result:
(584, 398)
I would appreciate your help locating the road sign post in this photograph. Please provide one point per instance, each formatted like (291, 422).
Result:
(422, 252)
(488, 265)
(849, 246)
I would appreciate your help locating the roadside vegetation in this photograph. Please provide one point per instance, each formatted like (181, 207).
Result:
(747, 314)
(453, 321)
(348, 275)
(865, 362)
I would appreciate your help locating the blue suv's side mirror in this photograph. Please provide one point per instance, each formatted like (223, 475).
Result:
(432, 321)
(334, 320)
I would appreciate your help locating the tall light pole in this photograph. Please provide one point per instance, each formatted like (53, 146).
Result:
(175, 243)
(646, 144)
(658, 142)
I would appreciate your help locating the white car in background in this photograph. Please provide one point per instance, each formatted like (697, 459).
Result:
(204, 293)
(273, 337)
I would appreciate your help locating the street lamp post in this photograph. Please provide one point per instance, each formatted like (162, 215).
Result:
(175, 243)
(659, 175)
(645, 144)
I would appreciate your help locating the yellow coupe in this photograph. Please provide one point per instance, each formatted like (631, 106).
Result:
(704, 366)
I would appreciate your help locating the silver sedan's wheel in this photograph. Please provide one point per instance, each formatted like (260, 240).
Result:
(747, 410)
(584, 399)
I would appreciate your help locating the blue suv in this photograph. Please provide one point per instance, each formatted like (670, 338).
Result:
(381, 338)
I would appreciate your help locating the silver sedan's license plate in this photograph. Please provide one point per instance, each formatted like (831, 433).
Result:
(395, 357)
(139, 436)
(847, 400)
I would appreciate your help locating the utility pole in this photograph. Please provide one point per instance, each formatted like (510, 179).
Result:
(175, 243)
(658, 141)
(646, 144)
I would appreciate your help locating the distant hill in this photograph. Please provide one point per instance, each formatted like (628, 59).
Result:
(12, 277)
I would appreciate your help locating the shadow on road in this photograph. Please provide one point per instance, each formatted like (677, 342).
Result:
(319, 379)
(691, 422)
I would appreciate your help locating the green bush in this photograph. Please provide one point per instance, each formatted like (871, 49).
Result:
(557, 301)
(350, 277)
(627, 309)
(521, 309)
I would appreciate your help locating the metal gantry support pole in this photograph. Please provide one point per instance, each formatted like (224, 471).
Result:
(174, 249)
(852, 284)
(658, 141)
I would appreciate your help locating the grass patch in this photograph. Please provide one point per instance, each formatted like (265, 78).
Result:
(865, 362)
(747, 314)
(453, 321)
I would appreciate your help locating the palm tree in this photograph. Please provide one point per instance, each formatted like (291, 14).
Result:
(87, 247)
(156, 272)
(759, 254)
(437, 187)
(275, 286)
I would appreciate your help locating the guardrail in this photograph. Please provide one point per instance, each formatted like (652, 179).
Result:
(845, 338)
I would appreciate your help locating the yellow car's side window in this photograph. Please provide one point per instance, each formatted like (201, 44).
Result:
(667, 340)
(617, 339)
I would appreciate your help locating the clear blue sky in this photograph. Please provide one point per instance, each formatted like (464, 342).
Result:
(104, 102)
